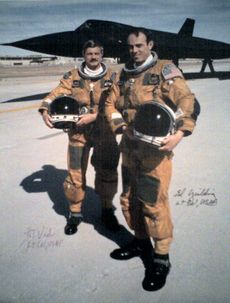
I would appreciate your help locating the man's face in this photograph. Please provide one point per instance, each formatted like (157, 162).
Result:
(139, 49)
(93, 57)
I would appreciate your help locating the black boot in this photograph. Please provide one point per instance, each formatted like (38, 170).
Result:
(109, 220)
(136, 248)
(72, 223)
(156, 272)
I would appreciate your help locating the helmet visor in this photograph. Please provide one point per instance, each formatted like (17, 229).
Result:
(64, 106)
(153, 119)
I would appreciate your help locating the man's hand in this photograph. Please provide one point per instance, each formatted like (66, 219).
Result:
(86, 119)
(47, 119)
(171, 141)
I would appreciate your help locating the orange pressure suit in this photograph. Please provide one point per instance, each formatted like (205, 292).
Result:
(146, 171)
(91, 93)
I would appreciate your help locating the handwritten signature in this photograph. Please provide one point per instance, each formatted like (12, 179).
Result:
(191, 197)
(43, 238)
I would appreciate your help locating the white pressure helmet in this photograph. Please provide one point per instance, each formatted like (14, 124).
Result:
(153, 122)
(65, 112)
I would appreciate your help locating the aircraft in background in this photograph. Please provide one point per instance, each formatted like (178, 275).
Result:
(113, 36)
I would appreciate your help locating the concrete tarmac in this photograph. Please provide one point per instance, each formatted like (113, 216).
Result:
(40, 264)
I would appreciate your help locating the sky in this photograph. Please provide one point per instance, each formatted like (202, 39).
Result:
(25, 19)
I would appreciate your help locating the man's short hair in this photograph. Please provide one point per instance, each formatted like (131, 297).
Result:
(91, 44)
(137, 30)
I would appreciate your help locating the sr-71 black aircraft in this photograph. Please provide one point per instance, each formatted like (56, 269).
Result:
(113, 36)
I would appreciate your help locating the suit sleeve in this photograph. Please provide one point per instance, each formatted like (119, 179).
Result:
(113, 116)
(177, 91)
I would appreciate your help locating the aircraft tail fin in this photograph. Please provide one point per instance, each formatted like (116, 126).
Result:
(187, 27)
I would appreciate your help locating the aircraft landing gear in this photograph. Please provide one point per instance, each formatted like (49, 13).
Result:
(209, 63)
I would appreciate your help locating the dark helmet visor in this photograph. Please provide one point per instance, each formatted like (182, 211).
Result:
(64, 106)
(62, 109)
(152, 119)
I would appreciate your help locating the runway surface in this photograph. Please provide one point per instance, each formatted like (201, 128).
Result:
(39, 264)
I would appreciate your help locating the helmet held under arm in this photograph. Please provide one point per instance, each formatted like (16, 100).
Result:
(153, 122)
(65, 112)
